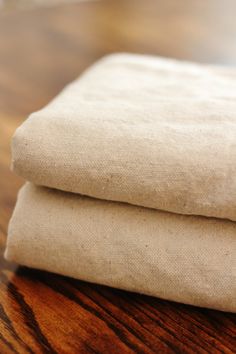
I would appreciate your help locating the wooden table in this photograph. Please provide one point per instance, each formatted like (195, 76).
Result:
(40, 51)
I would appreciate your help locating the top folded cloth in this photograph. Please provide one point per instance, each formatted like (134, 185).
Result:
(139, 129)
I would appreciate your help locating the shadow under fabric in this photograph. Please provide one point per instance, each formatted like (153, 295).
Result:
(152, 132)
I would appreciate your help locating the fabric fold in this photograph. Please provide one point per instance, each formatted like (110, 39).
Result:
(139, 129)
(135, 164)
(187, 259)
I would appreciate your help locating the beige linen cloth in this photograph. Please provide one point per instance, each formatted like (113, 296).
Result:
(188, 259)
(148, 131)
(144, 130)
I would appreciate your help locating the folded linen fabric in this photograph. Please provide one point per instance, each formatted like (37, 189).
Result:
(148, 131)
(189, 259)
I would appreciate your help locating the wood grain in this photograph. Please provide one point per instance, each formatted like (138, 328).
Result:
(41, 51)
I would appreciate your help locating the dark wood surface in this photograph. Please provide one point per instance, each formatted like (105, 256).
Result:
(40, 51)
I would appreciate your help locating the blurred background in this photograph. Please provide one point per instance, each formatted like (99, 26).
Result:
(46, 43)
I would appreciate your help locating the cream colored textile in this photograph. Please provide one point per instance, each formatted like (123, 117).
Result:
(144, 130)
(183, 258)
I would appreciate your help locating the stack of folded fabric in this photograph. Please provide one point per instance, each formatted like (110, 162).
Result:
(132, 177)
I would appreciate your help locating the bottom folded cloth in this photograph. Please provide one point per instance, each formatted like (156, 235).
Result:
(187, 259)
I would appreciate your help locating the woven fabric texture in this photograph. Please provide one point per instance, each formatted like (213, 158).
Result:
(144, 130)
(183, 258)
(155, 140)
